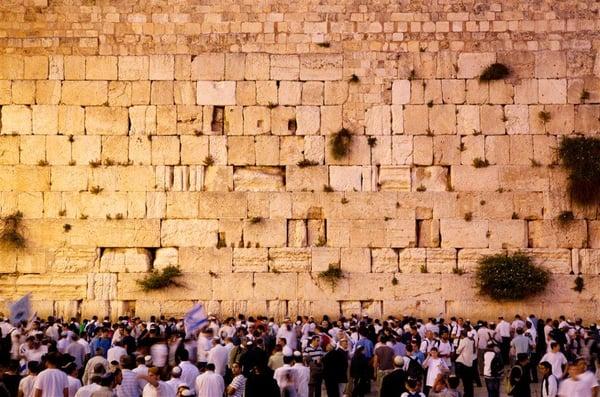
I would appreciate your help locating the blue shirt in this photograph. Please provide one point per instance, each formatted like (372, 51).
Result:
(367, 345)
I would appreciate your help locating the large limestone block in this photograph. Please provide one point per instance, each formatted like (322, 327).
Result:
(222, 205)
(511, 233)
(394, 178)
(189, 233)
(265, 232)
(161, 67)
(367, 233)
(104, 120)
(182, 204)
(311, 287)
(102, 286)
(191, 286)
(525, 178)
(45, 119)
(378, 120)
(72, 260)
(127, 260)
(400, 92)
(242, 282)
(11, 67)
(101, 68)
(552, 91)
(558, 261)
(256, 179)
(468, 178)
(247, 260)
(321, 67)
(133, 68)
(355, 260)
(164, 257)
(342, 178)
(275, 286)
(53, 287)
(202, 260)
(400, 233)
(551, 234)
(322, 257)
(217, 93)
(468, 258)
(84, 93)
(9, 150)
(289, 259)
(459, 233)
(305, 178)
(384, 260)
(589, 261)
(218, 178)
(470, 65)
(285, 67)
(430, 178)
(440, 260)
(16, 119)
(550, 64)
(297, 232)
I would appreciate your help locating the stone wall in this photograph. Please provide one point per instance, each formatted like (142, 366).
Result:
(171, 132)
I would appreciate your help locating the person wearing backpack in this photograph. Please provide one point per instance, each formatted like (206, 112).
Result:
(549, 381)
(519, 377)
(464, 362)
(412, 387)
(493, 369)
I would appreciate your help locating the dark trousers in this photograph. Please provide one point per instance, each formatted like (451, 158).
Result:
(466, 376)
(314, 388)
(505, 349)
(493, 387)
(476, 377)
(532, 366)
(333, 390)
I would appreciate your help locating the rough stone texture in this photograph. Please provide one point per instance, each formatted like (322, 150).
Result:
(208, 146)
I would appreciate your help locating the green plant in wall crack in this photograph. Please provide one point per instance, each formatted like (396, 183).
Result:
(565, 217)
(513, 276)
(159, 279)
(495, 71)
(332, 275)
(581, 157)
(11, 234)
(579, 284)
(340, 144)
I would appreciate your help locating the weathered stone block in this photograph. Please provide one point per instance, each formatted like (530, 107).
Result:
(101, 68)
(289, 259)
(458, 233)
(16, 119)
(84, 93)
(321, 67)
(134, 68)
(394, 178)
(255, 179)
(265, 232)
(198, 233)
(217, 93)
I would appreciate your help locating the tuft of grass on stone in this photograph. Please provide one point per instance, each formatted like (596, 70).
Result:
(67, 227)
(324, 44)
(340, 144)
(256, 219)
(354, 78)
(468, 216)
(394, 281)
(327, 188)
(581, 157)
(43, 163)
(332, 275)
(306, 163)
(480, 163)
(11, 234)
(544, 116)
(95, 163)
(372, 141)
(585, 95)
(579, 284)
(495, 71)
(421, 188)
(96, 189)
(565, 217)
(208, 161)
(423, 269)
(158, 279)
(458, 271)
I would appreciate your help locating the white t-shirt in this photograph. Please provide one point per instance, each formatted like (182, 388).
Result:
(163, 390)
(52, 382)
(74, 385)
(582, 387)
(159, 353)
(557, 360)
(26, 385)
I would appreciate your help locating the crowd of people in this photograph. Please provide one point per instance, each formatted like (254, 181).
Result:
(251, 357)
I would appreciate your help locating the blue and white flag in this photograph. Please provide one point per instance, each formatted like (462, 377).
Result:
(20, 310)
(195, 318)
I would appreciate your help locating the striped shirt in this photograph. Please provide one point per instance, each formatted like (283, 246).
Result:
(239, 383)
(315, 354)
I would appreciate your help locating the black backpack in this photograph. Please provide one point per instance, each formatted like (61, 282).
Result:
(497, 366)
(414, 370)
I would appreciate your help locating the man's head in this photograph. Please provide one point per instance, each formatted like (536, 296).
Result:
(237, 369)
(127, 362)
(176, 372)
(153, 375)
(523, 358)
(52, 360)
(555, 347)
(210, 367)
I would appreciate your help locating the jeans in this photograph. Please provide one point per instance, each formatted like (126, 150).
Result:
(493, 387)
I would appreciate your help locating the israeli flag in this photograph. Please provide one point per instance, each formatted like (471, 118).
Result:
(195, 318)
(20, 310)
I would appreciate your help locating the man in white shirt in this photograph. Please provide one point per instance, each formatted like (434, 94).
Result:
(189, 372)
(503, 328)
(210, 384)
(26, 385)
(156, 387)
(218, 355)
(580, 383)
(141, 370)
(129, 386)
(175, 380)
(88, 390)
(116, 352)
(52, 382)
(286, 377)
(464, 362)
(288, 331)
(557, 359)
(302, 375)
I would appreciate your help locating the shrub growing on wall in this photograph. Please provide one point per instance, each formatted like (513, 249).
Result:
(581, 156)
(510, 277)
(160, 279)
